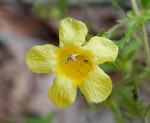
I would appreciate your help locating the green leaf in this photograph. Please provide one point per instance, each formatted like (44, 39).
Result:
(63, 4)
(145, 3)
(32, 119)
(101, 32)
(108, 33)
(127, 34)
(131, 49)
(109, 66)
(133, 23)
(88, 37)
(94, 106)
(36, 119)
(127, 68)
(49, 118)
(116, 111)
(132, 108)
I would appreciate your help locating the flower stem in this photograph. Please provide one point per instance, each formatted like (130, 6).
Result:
(145, 38)
(114, 28)
(135, 8)
(146, 45)
(145, 114)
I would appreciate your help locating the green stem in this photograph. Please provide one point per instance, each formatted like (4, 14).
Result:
(114, 28)
(135, 8)
(146, 45)
(146, 113)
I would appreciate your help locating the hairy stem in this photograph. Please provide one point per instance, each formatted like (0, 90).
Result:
(145, 114)
(146, 45)
(145, 38)
(135, 7)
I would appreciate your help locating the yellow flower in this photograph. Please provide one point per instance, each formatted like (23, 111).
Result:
(76, 64)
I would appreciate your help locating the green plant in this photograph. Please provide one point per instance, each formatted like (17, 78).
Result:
(134, 66)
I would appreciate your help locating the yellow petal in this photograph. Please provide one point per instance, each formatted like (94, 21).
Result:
(96, 86)
(101, 49)
(63, 91)
(72, 31)
(42, 58)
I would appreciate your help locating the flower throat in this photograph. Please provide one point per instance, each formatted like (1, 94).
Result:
(76, 66)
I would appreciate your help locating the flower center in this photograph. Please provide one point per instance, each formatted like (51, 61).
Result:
(76, 66)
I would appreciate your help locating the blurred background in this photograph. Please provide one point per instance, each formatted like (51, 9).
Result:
(25, 23)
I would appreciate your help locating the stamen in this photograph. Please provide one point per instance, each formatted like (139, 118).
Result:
(76, 66)
(74, 56)
(70, 58)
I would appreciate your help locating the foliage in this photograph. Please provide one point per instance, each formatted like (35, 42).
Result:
(35, 119)
(125, 101)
